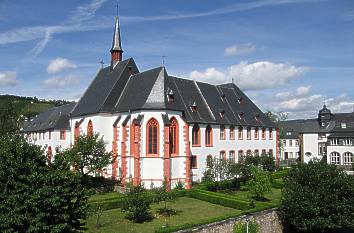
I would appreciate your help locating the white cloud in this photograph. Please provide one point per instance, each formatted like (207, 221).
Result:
(258, 75)
(301, 91)
(62, 82)
(239, 49)
(8, 78)
(60, 64)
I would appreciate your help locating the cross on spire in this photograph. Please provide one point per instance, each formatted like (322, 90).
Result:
(163, 60)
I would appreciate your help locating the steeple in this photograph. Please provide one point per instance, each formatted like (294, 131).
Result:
(116, 50)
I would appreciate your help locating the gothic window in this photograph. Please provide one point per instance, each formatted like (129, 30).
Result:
(173, 136)
(152, 137)
(196, 135)
(209, 136)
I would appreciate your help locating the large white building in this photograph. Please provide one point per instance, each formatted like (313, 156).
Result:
(329, 137)
(158, 126)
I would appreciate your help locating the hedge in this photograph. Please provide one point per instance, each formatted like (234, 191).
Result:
(280, 174)
(218, 199)
(277, 183)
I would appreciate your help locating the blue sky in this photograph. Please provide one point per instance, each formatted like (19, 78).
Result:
(288, 55)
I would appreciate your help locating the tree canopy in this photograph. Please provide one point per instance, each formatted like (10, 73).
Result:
(318, 196)
(34, 196)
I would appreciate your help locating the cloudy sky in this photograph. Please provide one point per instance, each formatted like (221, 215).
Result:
(287, 55)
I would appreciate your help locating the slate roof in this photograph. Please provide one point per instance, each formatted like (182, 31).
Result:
(105, 89)
(53, 118)
(123, 89)
(313, 125)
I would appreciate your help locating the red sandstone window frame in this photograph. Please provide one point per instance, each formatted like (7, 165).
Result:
(256, 152)
(233, 157)
(62, 134)
(152, 141)
(232, 133)
(249, 133)
(208, 159)
(248, 152)
(256, 133)
(264, 152)
(222, 154)
(208, 136)
(90, 129)
(271, 152)
(270, 134)
(240, 154)
(196, 135)
(222, 132)
(263, 134)
(240, 133)
(174, 136)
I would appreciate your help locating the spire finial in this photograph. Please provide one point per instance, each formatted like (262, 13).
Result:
(163, 60)
(117, 8)
(232, 80)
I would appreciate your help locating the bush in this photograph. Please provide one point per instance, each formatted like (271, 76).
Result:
(233, 184)
(265, 161)
(241, 227)
(259, 183)
(99, 184)
(136, 204)
(318, 196)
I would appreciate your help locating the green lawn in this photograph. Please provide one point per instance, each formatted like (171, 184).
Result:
(189, 211)
(273, 197)
(105, 196)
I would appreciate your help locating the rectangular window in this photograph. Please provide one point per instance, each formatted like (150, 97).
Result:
(270, 134)
(296, 142)
(264, 152)
(343, 125)
(194, 161)
(232, 133)
(40, 136)
(321, 148)
(222, 155)
(249, 133)
(284, 142)
(222, 132)
(62, 134)
(240, 133)
(232, 155)
(263, 133)
(256, 133)
(291, 155)
(321, 136)
(290, 142)
(271, 152)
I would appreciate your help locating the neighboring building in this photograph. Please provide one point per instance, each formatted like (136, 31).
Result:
(289, 136)
(160, 126)
(329, 137)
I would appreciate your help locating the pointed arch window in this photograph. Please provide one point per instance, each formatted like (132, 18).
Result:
(174, 136)
(152, 139)
(208, 136)
(90, 129)
(196, 135)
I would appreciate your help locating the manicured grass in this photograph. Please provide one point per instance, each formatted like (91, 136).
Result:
(105, 196)
(189, 211)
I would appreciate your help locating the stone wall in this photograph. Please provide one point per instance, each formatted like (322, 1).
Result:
(267, 220)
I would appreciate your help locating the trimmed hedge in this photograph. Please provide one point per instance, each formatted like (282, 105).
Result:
(233, 184)
(280, 174)
(218, 199)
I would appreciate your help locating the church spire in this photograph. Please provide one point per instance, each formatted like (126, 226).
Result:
(116, 50)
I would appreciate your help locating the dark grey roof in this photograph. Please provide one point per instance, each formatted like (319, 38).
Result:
(117, 121)
(138, 119)
(313, 125)
(105, 89)
(124, 123)
(165, 119)
(53, 118)
(214, 104)
(341, 134)
(116, 43)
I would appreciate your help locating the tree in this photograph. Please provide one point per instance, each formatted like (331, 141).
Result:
(88, 154)
(9, 119)
(136, 204)
(259, 183)
(318, 196)
(163, 194)
(34, 196)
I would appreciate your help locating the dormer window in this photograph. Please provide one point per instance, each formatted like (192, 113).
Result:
(343, 125)
(257, 117)
(239, 100)
(241, 115)
(171, 97)
(222, 114)
(194, 107)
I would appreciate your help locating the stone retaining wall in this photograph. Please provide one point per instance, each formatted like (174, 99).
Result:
(267, 220)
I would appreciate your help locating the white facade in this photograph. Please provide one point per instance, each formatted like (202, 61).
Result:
(290, 149)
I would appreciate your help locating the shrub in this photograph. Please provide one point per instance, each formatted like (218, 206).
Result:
(259, 183)
(241, 227)
(233, 184)
(99, 184)
(179, 185)
(136, 204)
(318, 196)
(164, 195)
